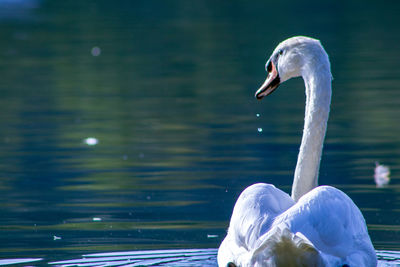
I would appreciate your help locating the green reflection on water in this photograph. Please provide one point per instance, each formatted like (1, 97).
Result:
(116, 226)
(170, 99)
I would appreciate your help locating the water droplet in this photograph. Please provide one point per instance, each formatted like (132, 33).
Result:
(96, 51)
(259, 130)
(96, 219)
(258, 115)
(91, 141)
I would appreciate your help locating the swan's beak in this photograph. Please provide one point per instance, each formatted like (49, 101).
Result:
(271, 83)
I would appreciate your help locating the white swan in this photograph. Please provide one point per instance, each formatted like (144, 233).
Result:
(318, 225)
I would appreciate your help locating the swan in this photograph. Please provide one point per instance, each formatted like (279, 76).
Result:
(316, 225)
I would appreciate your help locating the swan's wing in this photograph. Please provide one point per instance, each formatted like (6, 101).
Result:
(253, 215)
(255, 211)
(333, 224)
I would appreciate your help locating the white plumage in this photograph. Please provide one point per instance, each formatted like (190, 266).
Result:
(318, 225)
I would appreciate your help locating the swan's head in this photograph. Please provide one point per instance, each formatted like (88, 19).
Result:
(291, 58)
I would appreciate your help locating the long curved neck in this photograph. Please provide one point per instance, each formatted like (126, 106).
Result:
(317, 79)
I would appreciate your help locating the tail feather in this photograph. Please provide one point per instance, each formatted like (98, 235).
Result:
(283, 248)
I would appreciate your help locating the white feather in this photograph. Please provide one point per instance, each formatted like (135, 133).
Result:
(381, 175)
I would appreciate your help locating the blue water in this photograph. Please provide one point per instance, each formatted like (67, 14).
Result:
(166, 89)
(175, 257)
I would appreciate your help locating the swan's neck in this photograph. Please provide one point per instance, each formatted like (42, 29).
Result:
(317, 79)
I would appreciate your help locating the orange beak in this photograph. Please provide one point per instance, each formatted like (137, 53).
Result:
(271, 83)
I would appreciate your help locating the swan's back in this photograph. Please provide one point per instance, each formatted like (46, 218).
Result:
(324, 228)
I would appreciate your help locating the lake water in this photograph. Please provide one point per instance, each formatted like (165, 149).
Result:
(165, 89)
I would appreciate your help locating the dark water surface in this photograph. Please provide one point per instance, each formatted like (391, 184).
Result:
(166, 88)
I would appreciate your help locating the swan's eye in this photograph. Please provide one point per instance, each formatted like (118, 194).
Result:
(231, 264)
(280, 51)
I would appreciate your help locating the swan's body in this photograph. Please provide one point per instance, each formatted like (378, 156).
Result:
(318, 225)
